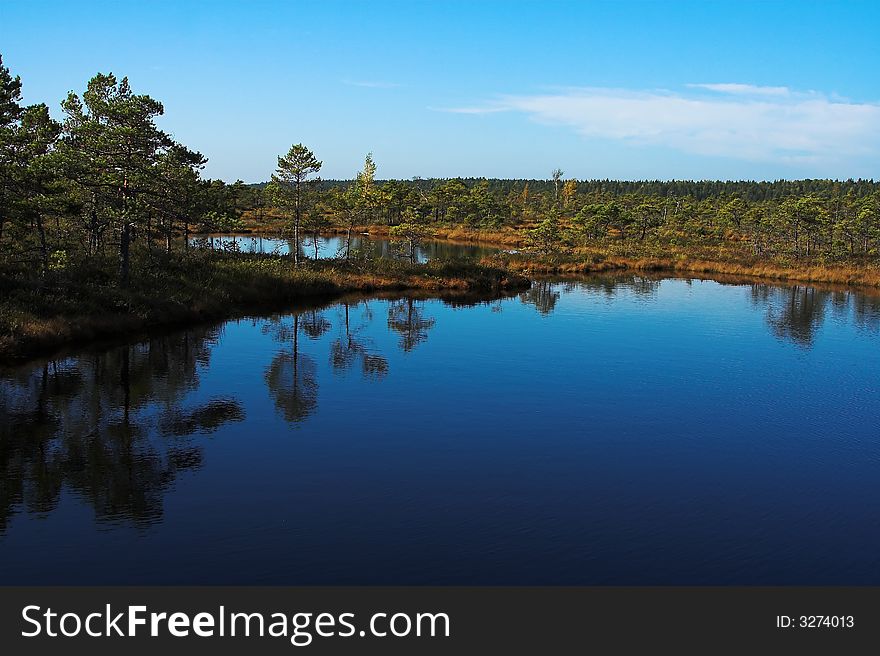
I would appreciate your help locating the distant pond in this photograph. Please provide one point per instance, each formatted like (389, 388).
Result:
(610, 430)
(334, 246)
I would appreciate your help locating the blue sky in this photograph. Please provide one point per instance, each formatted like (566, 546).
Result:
(628, 90)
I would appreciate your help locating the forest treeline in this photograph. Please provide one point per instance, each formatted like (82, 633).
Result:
(797, 218)
(750, 190)
(105, 180)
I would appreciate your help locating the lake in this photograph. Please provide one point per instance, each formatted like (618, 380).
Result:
(609, 430)
(330, 246)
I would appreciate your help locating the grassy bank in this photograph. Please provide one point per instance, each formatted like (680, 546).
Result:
(273, 224)
(729, 258)
(588, 261)
(84, 302)
(502, 238)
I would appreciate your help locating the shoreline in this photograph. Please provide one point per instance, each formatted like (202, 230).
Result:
(599, 260)
(125, 313)
(112, 313)
(856, 279)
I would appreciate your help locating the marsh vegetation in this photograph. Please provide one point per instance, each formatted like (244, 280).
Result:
(98, 213)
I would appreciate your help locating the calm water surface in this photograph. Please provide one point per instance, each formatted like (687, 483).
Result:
(335, 245)
(606, 431)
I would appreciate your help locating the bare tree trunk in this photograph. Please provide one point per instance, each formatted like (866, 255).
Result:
(44, 251)
(150, 236)
(125, 237)
(93, 233)
(124, 251)
(296, 215)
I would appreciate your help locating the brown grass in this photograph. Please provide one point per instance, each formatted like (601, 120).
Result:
(726, 258)
(501, 238)
(85, 303)
(839, 274)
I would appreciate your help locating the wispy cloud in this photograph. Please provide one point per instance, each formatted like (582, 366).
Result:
(743, 89)
(726, 120)
(371, 84)
(488, 109)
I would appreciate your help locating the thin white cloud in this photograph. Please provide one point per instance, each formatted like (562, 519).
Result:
(471, 110)
(735, 121)
(371, 84)
(743, 89)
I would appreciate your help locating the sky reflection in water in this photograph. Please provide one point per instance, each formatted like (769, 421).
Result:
(606, 431)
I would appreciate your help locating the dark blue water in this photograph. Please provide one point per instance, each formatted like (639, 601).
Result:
(607, 431)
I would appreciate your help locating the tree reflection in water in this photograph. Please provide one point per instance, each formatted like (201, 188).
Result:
(115, 427)
(89, 424)
(292, 376)
(793, 313)
(797, 313)
(543, 294)
(351, 347)
(406, 318)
